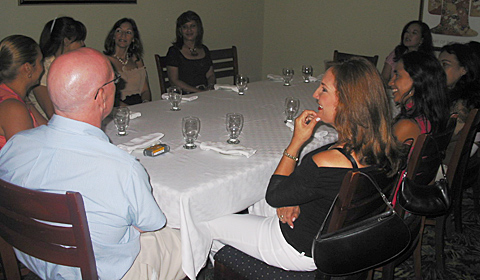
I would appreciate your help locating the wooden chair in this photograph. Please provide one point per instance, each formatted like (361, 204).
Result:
(225, 64)
(162, 72)
(357, 199)
(22, 212)
(458, 164)
(425, 158)
(339, 57)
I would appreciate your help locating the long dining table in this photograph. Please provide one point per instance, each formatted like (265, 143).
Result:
(195, 186)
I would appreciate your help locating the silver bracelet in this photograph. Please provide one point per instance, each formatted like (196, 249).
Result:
(289, 155)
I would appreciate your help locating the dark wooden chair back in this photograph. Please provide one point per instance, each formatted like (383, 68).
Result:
(225, 62)
(162, 73)
(458, 163)
(340, 56)
(24, 224)
(358, 199)
(428, 153)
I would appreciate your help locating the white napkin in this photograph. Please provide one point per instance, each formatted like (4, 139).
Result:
(276, 78)
(318, 134)
(141, 142)
(227, 87)
(228, 149)
(134, 115)
(184, 98)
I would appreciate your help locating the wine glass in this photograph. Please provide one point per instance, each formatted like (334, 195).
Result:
(234, 124)
(242, 83)
(190, 129)
(121, 119)
(287, 76)
(175, 97)
(307, 71)
(291, 108)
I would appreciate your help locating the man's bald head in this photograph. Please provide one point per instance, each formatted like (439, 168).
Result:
(74, 78)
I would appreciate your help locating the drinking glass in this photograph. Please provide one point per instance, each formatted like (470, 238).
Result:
(121, 118)
(242, 83)
(175, 97)
(234, 124)
(287, 76)
(291, 108)
(307, 71)
(190, 129)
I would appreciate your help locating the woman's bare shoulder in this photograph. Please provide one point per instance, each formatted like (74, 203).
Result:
(331, 158)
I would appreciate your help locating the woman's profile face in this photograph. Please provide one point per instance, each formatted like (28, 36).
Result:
(189, 31)
(37, 69)
(412, 38)
(327, 99)
(401, 84)
(452, 68)
(124, 35)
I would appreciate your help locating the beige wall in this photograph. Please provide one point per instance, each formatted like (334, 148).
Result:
(226, 23)
(308, 31)
(269, 34)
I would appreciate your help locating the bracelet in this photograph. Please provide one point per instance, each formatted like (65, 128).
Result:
(289, 155)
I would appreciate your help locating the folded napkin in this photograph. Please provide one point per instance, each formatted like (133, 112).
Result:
(228, 149)
(276, 78)
(318, 134)
(134, 115)
(141, 142)
(184, 98)
(227, 87)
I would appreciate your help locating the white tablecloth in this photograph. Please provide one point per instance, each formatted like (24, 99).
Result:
(194, 186)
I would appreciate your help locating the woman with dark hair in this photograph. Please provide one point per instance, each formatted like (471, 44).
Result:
(21, 65)
(352, 98)
(416, 36)
(461, 66)
(189, 64)
(124, 49)
(419, 87)
(59, 36)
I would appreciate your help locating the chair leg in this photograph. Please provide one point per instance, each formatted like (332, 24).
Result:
(388, 271)
(440, 242)
(9, 261)
(457, 211)
(476, 194)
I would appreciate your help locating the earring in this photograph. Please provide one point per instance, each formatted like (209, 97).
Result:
(29, 75)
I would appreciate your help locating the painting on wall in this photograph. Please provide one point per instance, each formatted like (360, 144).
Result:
(31, 2)
(451, 20)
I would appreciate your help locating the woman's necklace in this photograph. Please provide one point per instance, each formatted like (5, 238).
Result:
(123, 62)
(193, 51)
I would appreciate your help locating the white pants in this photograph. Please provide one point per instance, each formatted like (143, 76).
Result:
(159, 258)
(259, 237)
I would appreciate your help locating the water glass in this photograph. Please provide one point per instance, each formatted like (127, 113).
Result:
(121, 119)
(291, 108)
(190, 129)
(307, 72)
(175, 97)
(234, 123)
(242, 83)
(287, 76)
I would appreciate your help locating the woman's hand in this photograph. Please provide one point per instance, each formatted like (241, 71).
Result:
(288, 214)
(304, 125)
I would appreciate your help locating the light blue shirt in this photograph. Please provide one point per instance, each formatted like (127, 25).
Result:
(68, 155)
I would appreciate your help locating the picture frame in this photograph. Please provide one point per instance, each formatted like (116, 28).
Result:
(451, 20)
(43, 2)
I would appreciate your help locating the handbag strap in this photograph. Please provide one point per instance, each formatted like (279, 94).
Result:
(349, 157)
(384, 197)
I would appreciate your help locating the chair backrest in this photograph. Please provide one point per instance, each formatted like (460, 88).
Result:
(225, 62)
(340, 56)
(162, 72)
(461, 153)
(428, 153)
(358, 199)
(25, 223)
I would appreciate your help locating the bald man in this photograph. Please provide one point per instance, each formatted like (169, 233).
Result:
(72, 153)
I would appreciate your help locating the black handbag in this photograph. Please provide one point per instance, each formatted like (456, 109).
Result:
(425, 200)
(363, 245)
